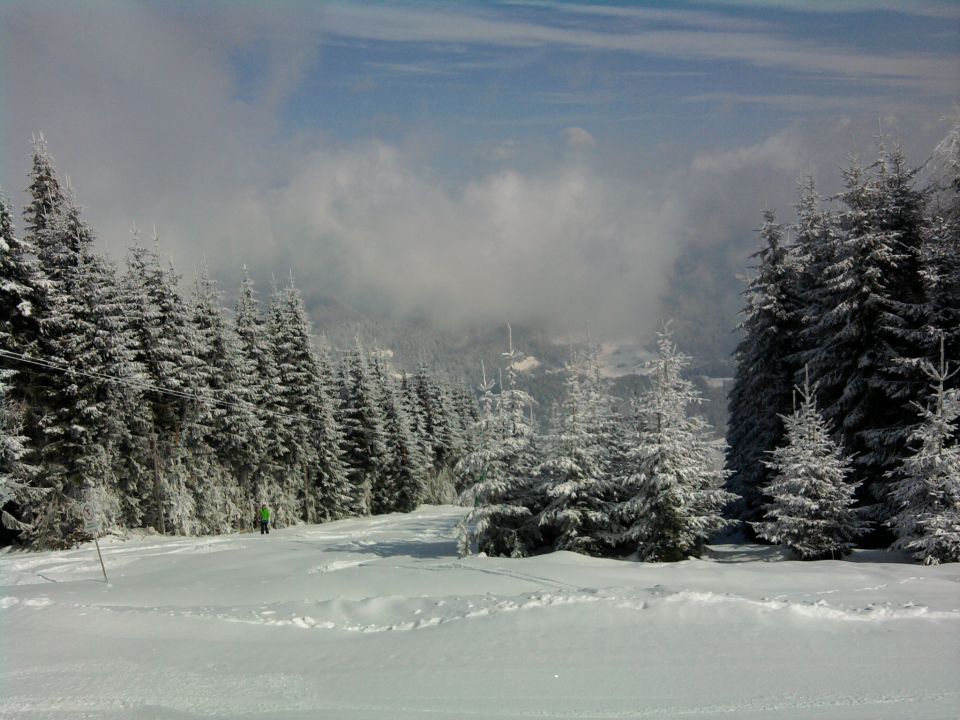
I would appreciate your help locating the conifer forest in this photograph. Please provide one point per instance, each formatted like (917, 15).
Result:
(130, 386)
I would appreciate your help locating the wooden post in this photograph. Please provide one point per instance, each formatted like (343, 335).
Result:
(102, 566)
(157, 490)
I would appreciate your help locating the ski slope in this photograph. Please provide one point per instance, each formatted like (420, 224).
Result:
(377, 618)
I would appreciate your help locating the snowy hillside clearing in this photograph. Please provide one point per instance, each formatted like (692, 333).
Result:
(377, 618)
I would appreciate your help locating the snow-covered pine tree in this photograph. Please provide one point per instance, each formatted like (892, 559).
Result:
(677, 484)
(578, 470)
(166, 349)
(763, 380)
(817, 247)
(436, 489)
(87, 410)
(482, 437)
(900, 221)
(507, 495)
(403, 480)
(437, 422)
(811, 511)
(871, 298)
(941, 257)
(364, 437)
(234, 430)
(16, 490)
(333, 487)
(317, 438)
(297, 374)
(20, 286)
(465, 408)
(46, 201)
(925, 489)
(260, 369)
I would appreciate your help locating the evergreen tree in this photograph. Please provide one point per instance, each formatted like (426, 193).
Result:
(435, 488)
(402, 485)
(86, 406)
(315, 436)
(812, 501)
(16, 490)
(941, 260)
(235, 431)
(166, 348)
(860, 346)
(27, 326)
(676, 483)
(925, 492)
(259, 366)
(297, 377)
(507, 495)
(333, 486)
(578, 472)
(46, 196)
(437, 423)
(364, 437)
(762, 385)
(902, 330)
(20, 286)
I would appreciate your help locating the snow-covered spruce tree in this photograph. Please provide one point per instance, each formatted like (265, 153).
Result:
(437, 488)
(763, 382)
(16, 490)
(466, 410)
(166, 349)
(872, 298)
(941, 257)
(365, 442)
(259, 367)
(925, 489)
(671, 469)
(811, 511)
(20, 286)
(297, 375)
(403, 481)
(483, 437)
(234, 429)
(441, 424)
(333, 486)
(46, 196)
(507, 495)
(578, 472)
(87, 409)
(900, 221)
(315, 448)
(23, 289)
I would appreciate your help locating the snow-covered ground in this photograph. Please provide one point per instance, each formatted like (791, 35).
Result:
(377, 618)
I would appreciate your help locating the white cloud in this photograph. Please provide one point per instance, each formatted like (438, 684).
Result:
(564, 245)
(759, 49)
(142, 110)
(578, 138)
(927, 8)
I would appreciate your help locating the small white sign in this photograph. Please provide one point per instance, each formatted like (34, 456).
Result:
(90, 522)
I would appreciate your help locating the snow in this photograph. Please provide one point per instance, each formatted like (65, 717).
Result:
(716, 383)
(622, 358)
(526, 364)
(376, 618)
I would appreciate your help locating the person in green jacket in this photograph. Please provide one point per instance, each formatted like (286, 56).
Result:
(264, 520)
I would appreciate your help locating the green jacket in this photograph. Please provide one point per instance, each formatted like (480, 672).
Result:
(265, 514)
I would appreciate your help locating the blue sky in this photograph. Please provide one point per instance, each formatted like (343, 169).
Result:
(476, 161)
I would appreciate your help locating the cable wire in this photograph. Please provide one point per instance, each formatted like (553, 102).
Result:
(127, 382)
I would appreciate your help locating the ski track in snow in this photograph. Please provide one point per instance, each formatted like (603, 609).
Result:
(398, 577)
